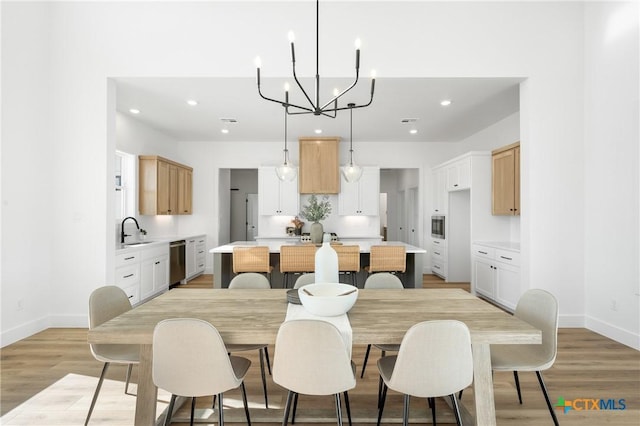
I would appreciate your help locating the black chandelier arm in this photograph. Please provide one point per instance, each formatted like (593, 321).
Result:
(295, 77)
(352, 85)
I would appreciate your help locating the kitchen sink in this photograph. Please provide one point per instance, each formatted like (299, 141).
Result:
(139, 243)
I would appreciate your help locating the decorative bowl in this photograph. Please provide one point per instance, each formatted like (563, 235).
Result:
(328, 299)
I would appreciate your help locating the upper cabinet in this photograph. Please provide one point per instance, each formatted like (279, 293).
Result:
(459, 175)
(505, 191)
(361, 197)
(164, 186)
(440, 195)
(276, 197)
(319, 171)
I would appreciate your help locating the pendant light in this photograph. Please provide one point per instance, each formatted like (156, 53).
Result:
(286, 171)
(352, 172)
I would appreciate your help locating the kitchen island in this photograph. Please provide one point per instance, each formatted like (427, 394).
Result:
(223, 272)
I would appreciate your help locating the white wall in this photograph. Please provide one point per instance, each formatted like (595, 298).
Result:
(611, 171)
(93, 41)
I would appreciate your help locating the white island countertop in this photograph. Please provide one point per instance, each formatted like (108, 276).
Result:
(503, 245)
(274, 245)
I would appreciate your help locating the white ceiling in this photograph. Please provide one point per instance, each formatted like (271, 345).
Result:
(476, 103)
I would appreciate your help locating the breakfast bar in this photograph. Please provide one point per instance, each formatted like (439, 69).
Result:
(223, 272)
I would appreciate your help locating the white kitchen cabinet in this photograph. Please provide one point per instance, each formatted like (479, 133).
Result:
(276, 197)
(195, 256)
(360, 198)
(459, 175)
(440, 196)
(154, 271)
(127, 275)
(496, 275)
(439, 257)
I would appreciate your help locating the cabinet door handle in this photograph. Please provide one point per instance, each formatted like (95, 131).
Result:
(435, 252)
(455, 185)
(131, 297)
(482, 252)
(129, 258)
(436, 266)
(504, 257)
(157, 263)
(128, 276)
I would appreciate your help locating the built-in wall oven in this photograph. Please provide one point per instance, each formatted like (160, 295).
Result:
(177, 264)
(437, 226)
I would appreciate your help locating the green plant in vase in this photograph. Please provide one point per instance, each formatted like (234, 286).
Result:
(315, 211)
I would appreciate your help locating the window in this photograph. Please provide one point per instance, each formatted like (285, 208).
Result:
(125, 185)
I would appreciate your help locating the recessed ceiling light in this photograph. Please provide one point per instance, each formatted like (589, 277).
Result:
(192, 102)
(318, 131)
(445, 102)
(225, 131)
(134, 111)
(413, 131)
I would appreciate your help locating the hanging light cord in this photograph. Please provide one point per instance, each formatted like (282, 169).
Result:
(351, 135)
(286, 151)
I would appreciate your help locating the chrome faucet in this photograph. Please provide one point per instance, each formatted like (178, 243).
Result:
(122, 234)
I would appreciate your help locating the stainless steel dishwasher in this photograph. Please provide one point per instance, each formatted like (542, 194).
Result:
(177, 264)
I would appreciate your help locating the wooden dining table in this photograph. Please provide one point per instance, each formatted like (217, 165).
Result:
(379, 316)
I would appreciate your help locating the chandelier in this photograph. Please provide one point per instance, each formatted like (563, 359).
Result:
(330, 108)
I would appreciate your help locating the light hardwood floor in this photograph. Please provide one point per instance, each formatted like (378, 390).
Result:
(588, 366)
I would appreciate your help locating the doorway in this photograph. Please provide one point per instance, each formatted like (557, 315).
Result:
(243, 204)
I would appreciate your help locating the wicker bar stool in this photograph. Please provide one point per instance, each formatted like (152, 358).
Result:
(348, 261)
(387, 259)
(251, 259)
(296, 259)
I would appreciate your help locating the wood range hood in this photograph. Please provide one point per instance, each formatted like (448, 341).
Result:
(319, 165)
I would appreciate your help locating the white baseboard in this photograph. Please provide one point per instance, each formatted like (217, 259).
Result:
(23, 331)
(613, 332)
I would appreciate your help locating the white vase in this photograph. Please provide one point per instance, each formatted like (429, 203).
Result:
(316, 232)
(326, 262)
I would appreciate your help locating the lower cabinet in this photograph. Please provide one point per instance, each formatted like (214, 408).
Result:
(439, 256)
(144, 272)
(128, 274)
(154, 271)
(496, 275)
(195, 256)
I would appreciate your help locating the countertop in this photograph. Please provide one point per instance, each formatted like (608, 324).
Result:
(503, 245)
(151, 242)
(274, 245)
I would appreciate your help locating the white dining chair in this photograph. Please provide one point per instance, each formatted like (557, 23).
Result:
(305, 279)
(253, 280)
(190, 359)
(106, 303)
(434, 360)
(311, 359)
(381, 280)
(540, 309)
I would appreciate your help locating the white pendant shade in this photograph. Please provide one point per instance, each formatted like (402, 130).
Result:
(352, 172)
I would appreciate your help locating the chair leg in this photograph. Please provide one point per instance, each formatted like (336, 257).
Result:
(193, 409)
(546, 398)
(515, 377)
(246, 404)
(287, 408)
(167, 419)
(383, 397)
(220, 411)
(295, 407)
(405, 414)
(432, 405)
(338, 409)
(266, 355)
(126, 385)
(213, 406)
(264, 379)
(460, 394)
(366, 357)
(456, 410)
(380, 384)
(346, 404)
(95, 394)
